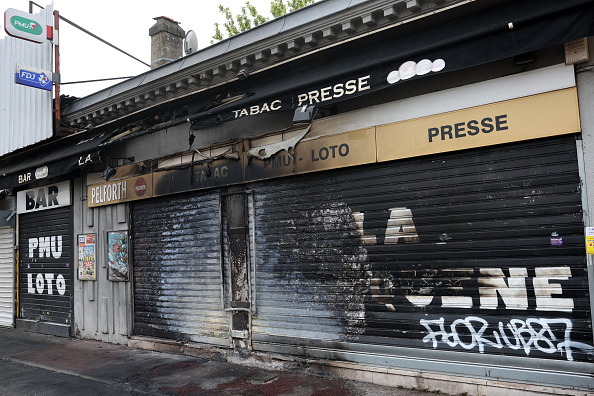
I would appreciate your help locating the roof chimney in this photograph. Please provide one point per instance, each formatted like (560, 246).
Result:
(166, 41)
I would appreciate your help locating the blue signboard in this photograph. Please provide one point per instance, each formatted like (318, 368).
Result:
(33, 77)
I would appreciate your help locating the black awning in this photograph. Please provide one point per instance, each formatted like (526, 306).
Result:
(389, 58)
(386, 58)
(50, 160)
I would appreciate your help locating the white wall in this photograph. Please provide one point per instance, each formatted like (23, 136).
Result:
(25, 113)
(102, 308)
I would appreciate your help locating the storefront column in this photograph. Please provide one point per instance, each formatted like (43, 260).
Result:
(585, 85)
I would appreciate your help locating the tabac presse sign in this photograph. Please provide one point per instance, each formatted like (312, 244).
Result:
(24, 25)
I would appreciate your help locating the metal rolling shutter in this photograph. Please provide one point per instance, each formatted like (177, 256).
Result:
(6, 276)
(46, 265)
(478, 251)
(177, 269)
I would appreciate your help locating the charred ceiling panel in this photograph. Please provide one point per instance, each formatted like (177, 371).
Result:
(480, 252)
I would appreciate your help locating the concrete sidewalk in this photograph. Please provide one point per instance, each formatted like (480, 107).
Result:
(35, 364)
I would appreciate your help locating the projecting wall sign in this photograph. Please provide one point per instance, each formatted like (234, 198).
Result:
(24, 25)
(123, 190)
(32, 77)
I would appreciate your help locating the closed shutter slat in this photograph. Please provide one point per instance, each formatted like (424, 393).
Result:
(177, 280)
(6, 276)
(385, 254)
(46, 276)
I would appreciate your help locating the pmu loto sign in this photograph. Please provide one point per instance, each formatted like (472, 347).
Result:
(24, 25)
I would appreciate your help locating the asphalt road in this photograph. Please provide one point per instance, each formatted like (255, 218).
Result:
(34, 364)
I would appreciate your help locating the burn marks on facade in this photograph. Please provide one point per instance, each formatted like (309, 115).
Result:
(422, 245)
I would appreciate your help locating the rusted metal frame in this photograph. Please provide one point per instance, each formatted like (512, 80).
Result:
(31, 3)
(236, 231)
(251, 280)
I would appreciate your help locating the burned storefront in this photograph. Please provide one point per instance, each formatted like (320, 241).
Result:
(402, 193)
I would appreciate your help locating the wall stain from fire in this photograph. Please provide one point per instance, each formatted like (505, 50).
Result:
(310, 265)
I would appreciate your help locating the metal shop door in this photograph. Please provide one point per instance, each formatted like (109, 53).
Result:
(177, 269)
(46, 266)
(476, 251)
(6, 276)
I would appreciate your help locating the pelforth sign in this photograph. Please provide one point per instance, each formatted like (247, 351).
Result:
(24, 25)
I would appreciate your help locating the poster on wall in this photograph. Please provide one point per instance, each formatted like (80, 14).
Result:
(117, 256)
(589, 240)
(87, 257)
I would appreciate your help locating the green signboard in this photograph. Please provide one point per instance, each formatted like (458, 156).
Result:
(24, 25)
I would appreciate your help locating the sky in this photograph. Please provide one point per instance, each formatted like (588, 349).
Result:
(125, 24)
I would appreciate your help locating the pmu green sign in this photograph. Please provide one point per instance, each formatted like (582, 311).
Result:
(24, 25)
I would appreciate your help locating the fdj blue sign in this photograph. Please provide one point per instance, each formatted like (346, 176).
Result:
(33, 78)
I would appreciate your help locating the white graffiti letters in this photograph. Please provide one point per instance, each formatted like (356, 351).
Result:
(493, 286)
(400, 227)
(532, 334)
(39, 285)
(45, 246)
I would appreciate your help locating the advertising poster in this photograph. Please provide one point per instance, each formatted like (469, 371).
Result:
(86, 257)
(589, 240)
(117, 256)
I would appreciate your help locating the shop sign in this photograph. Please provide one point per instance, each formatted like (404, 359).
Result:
(331, 152)
(548, 114)
(537, 116)
(221, 172)
(117, 191)
(32, 77)
(42, 198)
(24, 25)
